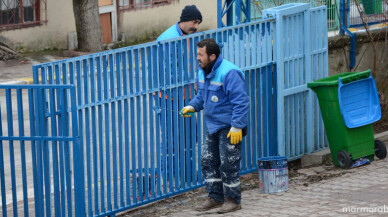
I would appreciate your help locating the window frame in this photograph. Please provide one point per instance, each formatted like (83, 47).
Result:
(38, 6)
(145, 5)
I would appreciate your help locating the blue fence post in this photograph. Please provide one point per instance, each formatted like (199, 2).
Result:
(278, 53)
(219, 14)
(237, 10)
(342, 17)
(284, 50)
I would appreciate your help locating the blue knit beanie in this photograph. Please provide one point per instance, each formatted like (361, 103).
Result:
(190, 12)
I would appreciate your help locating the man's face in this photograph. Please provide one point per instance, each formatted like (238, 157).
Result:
(191, 26)
(202, 57)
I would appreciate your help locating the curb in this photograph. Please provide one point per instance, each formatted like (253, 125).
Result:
(381, 135)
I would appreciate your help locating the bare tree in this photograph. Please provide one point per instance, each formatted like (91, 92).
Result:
(87, 21)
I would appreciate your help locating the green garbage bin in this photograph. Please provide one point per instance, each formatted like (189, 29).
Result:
(346, 144)
(372, 6)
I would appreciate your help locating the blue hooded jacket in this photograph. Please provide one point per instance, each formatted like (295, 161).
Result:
(172, 32)
(222, 95)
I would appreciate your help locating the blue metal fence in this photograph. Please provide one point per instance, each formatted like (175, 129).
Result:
(122, 96)
(139, 150)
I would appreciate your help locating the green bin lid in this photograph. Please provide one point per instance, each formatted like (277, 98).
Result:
(333, 80)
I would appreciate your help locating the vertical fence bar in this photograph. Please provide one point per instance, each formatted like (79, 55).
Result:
(86, 73)
(308, 69)
(151, 85)
(163, 143)
(139, 169)
(126, 128)
(113, 95)
(61, 129)
(33, 144)
(176, 54)
(169, 143)
(78, 155)
(94, 68)
(145, 177)
(119, 70)
(133, 123)
(157, 66)
(183, 78)
(52, 112)
(22, 150)
(107, 62)
(100, 90)
(2, 180)
(11, 150)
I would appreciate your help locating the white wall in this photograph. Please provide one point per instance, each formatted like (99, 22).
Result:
(147, 24)
(142, 24)
(52, 34)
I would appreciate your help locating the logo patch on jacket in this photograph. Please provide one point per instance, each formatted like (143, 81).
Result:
(214, 98)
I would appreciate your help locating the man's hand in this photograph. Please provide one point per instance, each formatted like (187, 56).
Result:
(235, 135)
(187, 111)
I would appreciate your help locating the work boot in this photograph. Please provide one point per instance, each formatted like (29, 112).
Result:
(208, 204)
(229, 205)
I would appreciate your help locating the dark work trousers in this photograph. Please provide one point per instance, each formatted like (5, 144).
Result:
(220, 163)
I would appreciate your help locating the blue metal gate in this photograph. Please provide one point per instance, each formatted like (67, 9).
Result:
(35, 160)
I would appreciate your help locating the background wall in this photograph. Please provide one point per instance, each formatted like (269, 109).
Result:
(148, 24)
(52, 34)
(137, 25)
(364, 57)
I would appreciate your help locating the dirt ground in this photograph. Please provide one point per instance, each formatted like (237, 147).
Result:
(297, 177)
(382, 124)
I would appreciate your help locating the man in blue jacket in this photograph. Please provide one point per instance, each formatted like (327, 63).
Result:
(189, 22)
(223, 97)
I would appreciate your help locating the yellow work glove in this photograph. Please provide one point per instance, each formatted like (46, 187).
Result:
(235, 135)
(187, 111)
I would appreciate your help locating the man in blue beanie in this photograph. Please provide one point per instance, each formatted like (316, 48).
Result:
(189, 22)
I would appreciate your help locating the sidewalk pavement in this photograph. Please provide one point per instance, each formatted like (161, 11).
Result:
(361, 192)
(19, 71)
(325, 191)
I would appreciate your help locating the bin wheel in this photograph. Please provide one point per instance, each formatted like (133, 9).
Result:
(380, 149)
(344, 159)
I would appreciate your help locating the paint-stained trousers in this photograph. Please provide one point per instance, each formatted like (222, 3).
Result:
(220, 163)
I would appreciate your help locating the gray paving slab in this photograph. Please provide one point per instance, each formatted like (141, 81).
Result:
(360, 192)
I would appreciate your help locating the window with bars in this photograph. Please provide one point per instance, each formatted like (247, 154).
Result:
(141, 4)
(21, 13)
